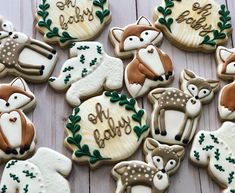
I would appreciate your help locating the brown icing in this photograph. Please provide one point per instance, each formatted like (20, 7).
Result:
(113, 129)
(228, 96)
(229, 60)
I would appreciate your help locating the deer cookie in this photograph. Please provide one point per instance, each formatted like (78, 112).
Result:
(17, 133)
(226, 70)
(176, 112)
(45, 172)
(162, 161)
(151, 67)
(105, 129)
(196, 25)
(215, 150)
(23, 56)
(88, 71)
(66, 21)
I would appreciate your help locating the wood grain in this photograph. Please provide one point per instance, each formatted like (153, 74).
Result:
(51, 111)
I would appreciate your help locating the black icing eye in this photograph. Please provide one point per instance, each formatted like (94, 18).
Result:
(204, 92)
(193, 88)
(171, 162)
(158, 160)
(130, 39)
(146, 33)
(15, 97)
(4, 25)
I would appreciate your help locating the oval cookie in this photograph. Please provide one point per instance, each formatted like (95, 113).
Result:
(66, 21)
(105, 129)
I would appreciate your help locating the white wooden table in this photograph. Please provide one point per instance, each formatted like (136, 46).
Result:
(51, 111)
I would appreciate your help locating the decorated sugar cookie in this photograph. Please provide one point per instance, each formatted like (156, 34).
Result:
(197, 25)
(214, 150)
(87, 72)
(23, 56)
(176, 112)
(226, 70)
(66, 21)
(17, 136)
(154, 176)
(105, 129)
(43, 173)
(151, 67)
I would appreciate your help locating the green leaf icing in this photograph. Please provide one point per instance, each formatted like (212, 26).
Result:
(4, 189)
(93, 62)
(68, 69)
(217, 154)
(231, 177)
(215, 139)
(84, 72)
(201, 138)
(208, 147)
(67, 78)
(102, 13)
(82, 59)
(26, 188)
(83, 48)
(82, 150)
(99, 49)
(220, 168)
(15, 178)
(230, 160)
(29, 174)
(12, 163)
(196, 155)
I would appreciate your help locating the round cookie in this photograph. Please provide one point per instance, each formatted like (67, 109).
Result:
(66, 21)
(105, 129)
(197, 25)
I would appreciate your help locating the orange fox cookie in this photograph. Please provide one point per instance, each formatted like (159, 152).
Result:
(150, 67)
(195, 25)
(17, 133)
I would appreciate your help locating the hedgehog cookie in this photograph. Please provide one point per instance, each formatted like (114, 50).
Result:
(66, 21)
(226, 70)
(23, 56)
(176, 112)
(105, 129)
(17, 136)
(215, 150)
(45, 173)
(88, 72)
(196, 25)
(162, 161)
(151, 67)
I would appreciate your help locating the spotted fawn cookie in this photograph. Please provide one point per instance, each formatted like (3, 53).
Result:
(176, 112)
(23, 56)
(151, 67)
(162, 161)
(45, 173)
(105, 129)
(66, 21)
(197, 25)
(214, 150)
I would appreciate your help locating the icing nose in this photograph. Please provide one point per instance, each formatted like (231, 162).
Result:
(10, 33)
(150, 50)
(196, 97)
(7, 104)
(141, 39)
(163, 171)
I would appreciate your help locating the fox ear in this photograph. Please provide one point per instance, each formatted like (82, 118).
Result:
(143, 21)
(117, 33)
(19, 82)
(224, 53)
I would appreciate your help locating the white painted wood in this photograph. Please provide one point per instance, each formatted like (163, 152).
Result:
(51, 111)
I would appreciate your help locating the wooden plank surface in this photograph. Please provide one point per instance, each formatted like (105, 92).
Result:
(51, 111)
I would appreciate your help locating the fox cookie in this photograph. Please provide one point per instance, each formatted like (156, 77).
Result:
(150, 67)
(66, 21)
(105, 129)
(154, 176)
(17, 133)
(215, 150)
(45, 173)
(226, 70)
(176, 112)
(23, 56)
(88, 72)
(196, 25)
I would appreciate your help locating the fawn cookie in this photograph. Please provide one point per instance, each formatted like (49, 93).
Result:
(17, 136)
(226, 70)
(66, 21)
(150, 67)
(176, 112)
(23, 56)
(88, 72)
(214, 150)
(43, 173)
(162, 161)
(105, 129)
(197, 25)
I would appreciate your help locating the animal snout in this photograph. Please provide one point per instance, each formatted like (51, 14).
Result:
(150, 50)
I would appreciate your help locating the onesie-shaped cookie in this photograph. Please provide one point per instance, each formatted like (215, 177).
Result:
(226, 70)
(195, 25)
(154, 176)
(176, 112)
(105, 129)
(150, 67)
(215, 150)
(88, 72)
(43, 173)
(17, 133)
(66, 21)
(23, 56)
